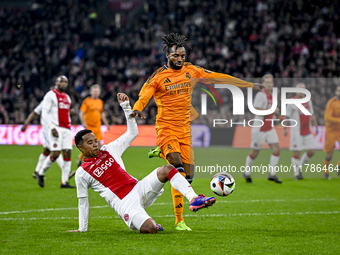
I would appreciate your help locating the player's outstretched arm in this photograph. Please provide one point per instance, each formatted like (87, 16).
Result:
(106, 123)
(258, 86)
(83, 208)
(137, 113)
(28, 120)
(123, 142)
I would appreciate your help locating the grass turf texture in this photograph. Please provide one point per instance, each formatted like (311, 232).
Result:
(296, 217)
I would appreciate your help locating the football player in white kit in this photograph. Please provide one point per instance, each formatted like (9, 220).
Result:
(46, 151)
(301, 137)
(263, 101)
(103, 170)
(56, 114)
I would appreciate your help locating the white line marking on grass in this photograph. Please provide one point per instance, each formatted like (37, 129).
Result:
(268, 200)
(50, 209)
(187, 215)
(155, 204)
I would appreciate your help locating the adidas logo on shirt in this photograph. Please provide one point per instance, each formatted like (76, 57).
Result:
(167, 80)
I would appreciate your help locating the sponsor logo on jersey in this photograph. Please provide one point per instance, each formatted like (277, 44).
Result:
(101, 168)
(184, 85)
(62, 105)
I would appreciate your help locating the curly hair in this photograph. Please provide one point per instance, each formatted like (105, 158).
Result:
(174, 39)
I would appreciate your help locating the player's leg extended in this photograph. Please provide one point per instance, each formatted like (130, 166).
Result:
(295, 160)
(67, 149)
(177, 197)
(45, 166)
(273, 142)
(42, 158)
(249, 162)
(170, 173)
(169, 144)
(307, 156)
(296, 146)
(309, 145)
(328, 149)
(187, 159)
(66, 170)
(274, 160)
(257, 139)
(327, 160)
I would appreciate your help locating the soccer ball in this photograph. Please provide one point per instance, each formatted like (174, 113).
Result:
(222, 184)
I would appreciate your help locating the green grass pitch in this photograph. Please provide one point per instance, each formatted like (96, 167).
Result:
(296, 217)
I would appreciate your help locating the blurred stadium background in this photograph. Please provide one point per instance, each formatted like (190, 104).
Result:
(117, 44)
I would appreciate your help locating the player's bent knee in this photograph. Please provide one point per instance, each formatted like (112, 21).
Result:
(55, 154)
(310, 153)
(277, 151)
(163, 172)
(148, 227)
(166, 168)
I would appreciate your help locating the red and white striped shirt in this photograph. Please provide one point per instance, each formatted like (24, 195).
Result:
(56, 109)
(106, 173)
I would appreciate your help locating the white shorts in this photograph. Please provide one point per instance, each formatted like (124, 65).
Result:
(258, 137)
(299, 142)
(63, 141)
(132, 207)
(47, 139)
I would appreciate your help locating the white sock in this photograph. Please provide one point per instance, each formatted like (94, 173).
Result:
(273, 163)
(182, 185)
(46, 165)
(304, 159)
(41, 160)
(60, 161)
(249, 163)
(65, 171)
(296, 165)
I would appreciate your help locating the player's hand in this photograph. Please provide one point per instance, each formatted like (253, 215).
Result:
(258, 86)
(137, 114)
(55, 132)
(73, 231)
(72, 112)
(108, 127)
(316, 131)
(122, 97)
(23, 128)
(285, 132)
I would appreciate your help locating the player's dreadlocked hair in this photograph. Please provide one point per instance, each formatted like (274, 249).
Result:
(174, 39)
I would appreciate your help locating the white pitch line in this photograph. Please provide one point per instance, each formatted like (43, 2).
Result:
(267, 200)
(50, 209)
(158, 204)
(187, 215)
